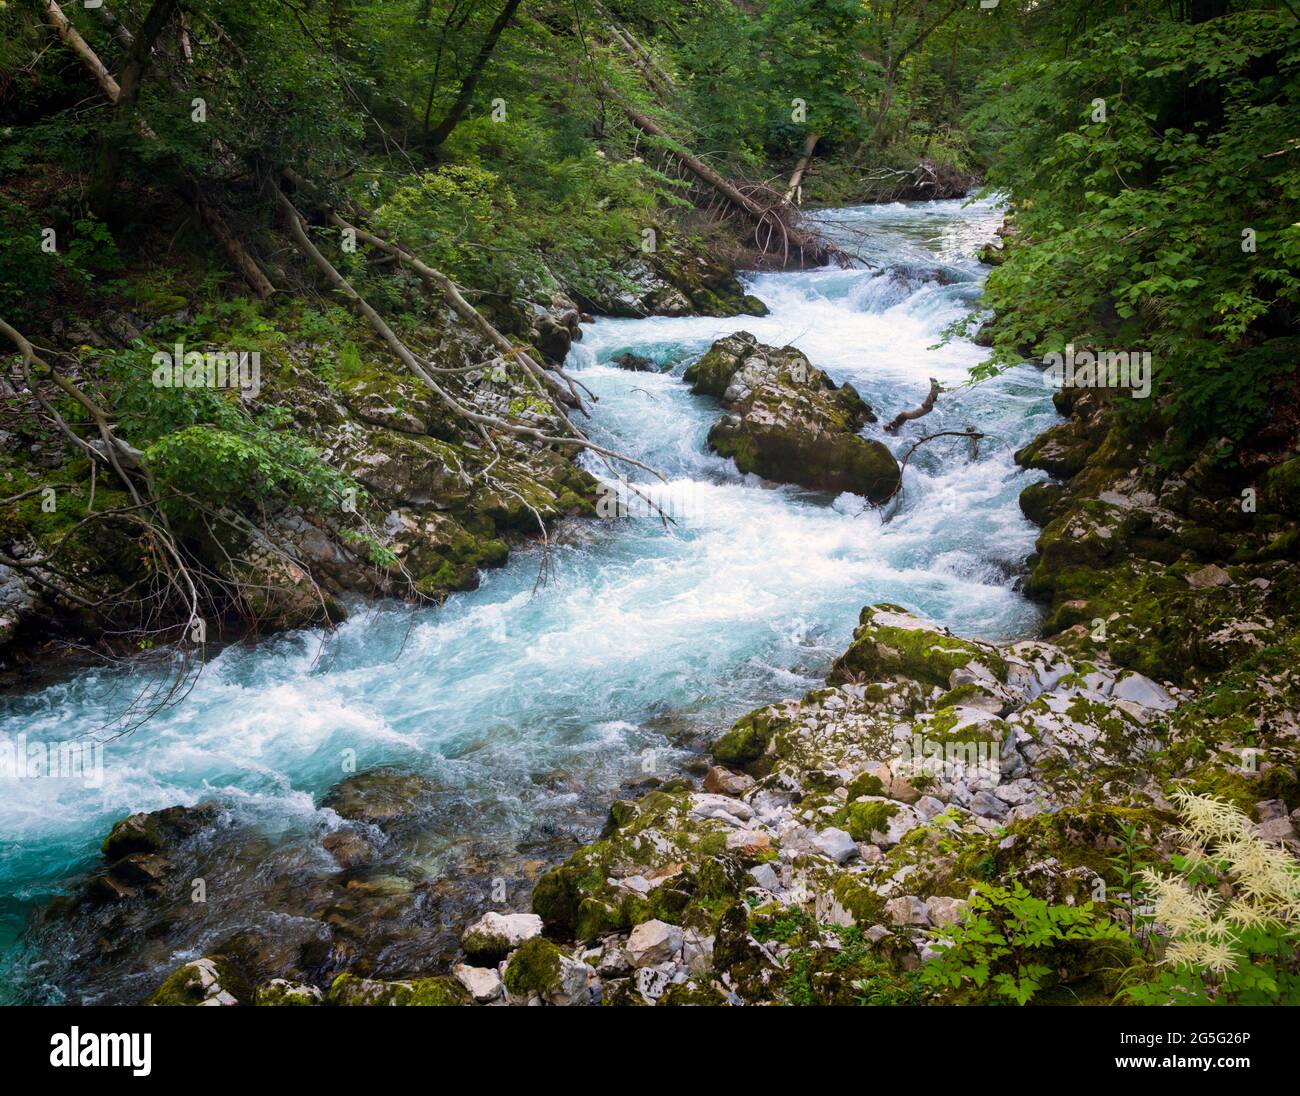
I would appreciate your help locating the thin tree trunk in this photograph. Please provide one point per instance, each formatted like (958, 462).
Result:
(243, 261)
(466, 94)
(104, 183)
(796, 179)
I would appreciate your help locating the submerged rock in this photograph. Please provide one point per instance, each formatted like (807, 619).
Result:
(789, 422)
(636, 363)
(380, 797)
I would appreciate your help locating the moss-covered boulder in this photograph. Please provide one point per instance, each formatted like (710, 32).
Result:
(351, 990)
(156, 831)
(206, 981)
(493, 935)
(789, 422)
(748, 738)
(534, 968)
(666, 860)
(890, 641)
(1282, 487)
(280, 992)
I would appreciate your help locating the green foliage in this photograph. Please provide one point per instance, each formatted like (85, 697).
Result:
(1144, 165)
(1009, 944)
(93, 251)
(26, 272)
(204, 442)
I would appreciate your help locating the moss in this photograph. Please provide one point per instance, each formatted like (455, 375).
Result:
(534, 967)
(1282, 487)
(691, 994)
(281, 993)
(854, 893)
(747, 740)
(880, 650)
(556, 898)
(863, 819)
(865, 784)
(595, 918)
(621, 812)
(958, 696)
(186, 986)
(437, 992)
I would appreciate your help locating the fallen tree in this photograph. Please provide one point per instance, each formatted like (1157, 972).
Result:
(927, 405)
(779, 219)
(573, 436)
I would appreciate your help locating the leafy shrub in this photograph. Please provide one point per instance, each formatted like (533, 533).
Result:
(1010, 943)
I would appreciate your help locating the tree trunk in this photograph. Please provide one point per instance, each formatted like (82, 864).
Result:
(797, 178)
(68, 33)
(104, 183)
(461, 105)
(811, 246)
(244, 262)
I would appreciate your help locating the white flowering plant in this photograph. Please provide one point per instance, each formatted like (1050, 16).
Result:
(1231, 914)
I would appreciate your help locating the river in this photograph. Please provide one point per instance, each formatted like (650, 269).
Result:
(530, 704)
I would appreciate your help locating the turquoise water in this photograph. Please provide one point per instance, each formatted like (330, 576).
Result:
(531, 706)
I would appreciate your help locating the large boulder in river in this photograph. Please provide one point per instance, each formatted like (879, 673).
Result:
(789, 421)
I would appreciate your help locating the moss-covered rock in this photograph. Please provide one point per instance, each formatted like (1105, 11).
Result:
(691, 993)
(207, 981)
(156, 831)
(533, 968)
(748, 738)
(352, 990)
(890, 641)
(789, 422)
(280, 992)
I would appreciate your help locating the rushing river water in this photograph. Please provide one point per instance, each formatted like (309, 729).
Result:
(530, 708)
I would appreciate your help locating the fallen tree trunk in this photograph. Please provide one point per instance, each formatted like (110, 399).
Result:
(645, 62)
(450, 291)
(810, 246)
(452, 295)
(73, 40)
(403, 353)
